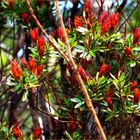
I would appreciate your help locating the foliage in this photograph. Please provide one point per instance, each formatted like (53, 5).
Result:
(107, 60)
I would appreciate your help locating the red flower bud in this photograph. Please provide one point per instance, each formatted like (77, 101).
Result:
(82, 73)
(16, 131)
(53, 34)
(24, 62)
(78, 22)
(109, 101)
(15, 70)
(72, 125)
(136, 36)
(11, 4)
(41, 44)
(32, 65)
(114, 18)
(103, 70)
(25, 17)
(87, 6)
(39, 3)
(136, 96)
(128, 51)
(34, 34)
(60, 33)
(109, 68)
(134, 85)
(105, 27)
(37, 133)
(103, 17)
(39, 69)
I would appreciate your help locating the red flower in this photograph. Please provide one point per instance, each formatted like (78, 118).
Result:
(136, 37)
(16, 131)
(25, 17)
(11, 4)
(32, 65)
(109, 101)
(15, 70)
(134, 85)
(41, 44)
(24, 62)
(39, 69)
(37, 133)
(136, 96)
(78, 22)
(34, 34)
(128, 51)
(60, 33)
(87, 6)
(82, 73)
(103, 70)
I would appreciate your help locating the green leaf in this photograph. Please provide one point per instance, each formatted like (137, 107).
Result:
(72, 41)
(113, 77)
(122, 79)
(68, 135)
(76, 100)
(24, 96)
(82, 30)
(79, 104)
(102, 80)
(17, 88)
(136, 49)
(132, 64)
(92, 53)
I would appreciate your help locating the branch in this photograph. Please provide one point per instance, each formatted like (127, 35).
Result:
(79, 79)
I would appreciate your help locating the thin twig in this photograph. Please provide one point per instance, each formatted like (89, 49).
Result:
(127, 17)
(79, 79)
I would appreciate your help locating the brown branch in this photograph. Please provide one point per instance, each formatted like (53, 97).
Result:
(79, 79)
(43, 31)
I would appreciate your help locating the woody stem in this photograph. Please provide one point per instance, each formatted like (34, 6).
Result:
(79, 79)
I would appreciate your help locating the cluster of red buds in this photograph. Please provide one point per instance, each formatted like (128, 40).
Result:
(78, 21)
(40, 3)
(25, 18)
(110, 103)
(128, 51)
(136, 36)
(136, 96)
(38, 40)
(37, 133)
(16, 71)
(11, 4)
(136, 90)
(104, 69)
(16, 131)
(32, 66)
(108, 21)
